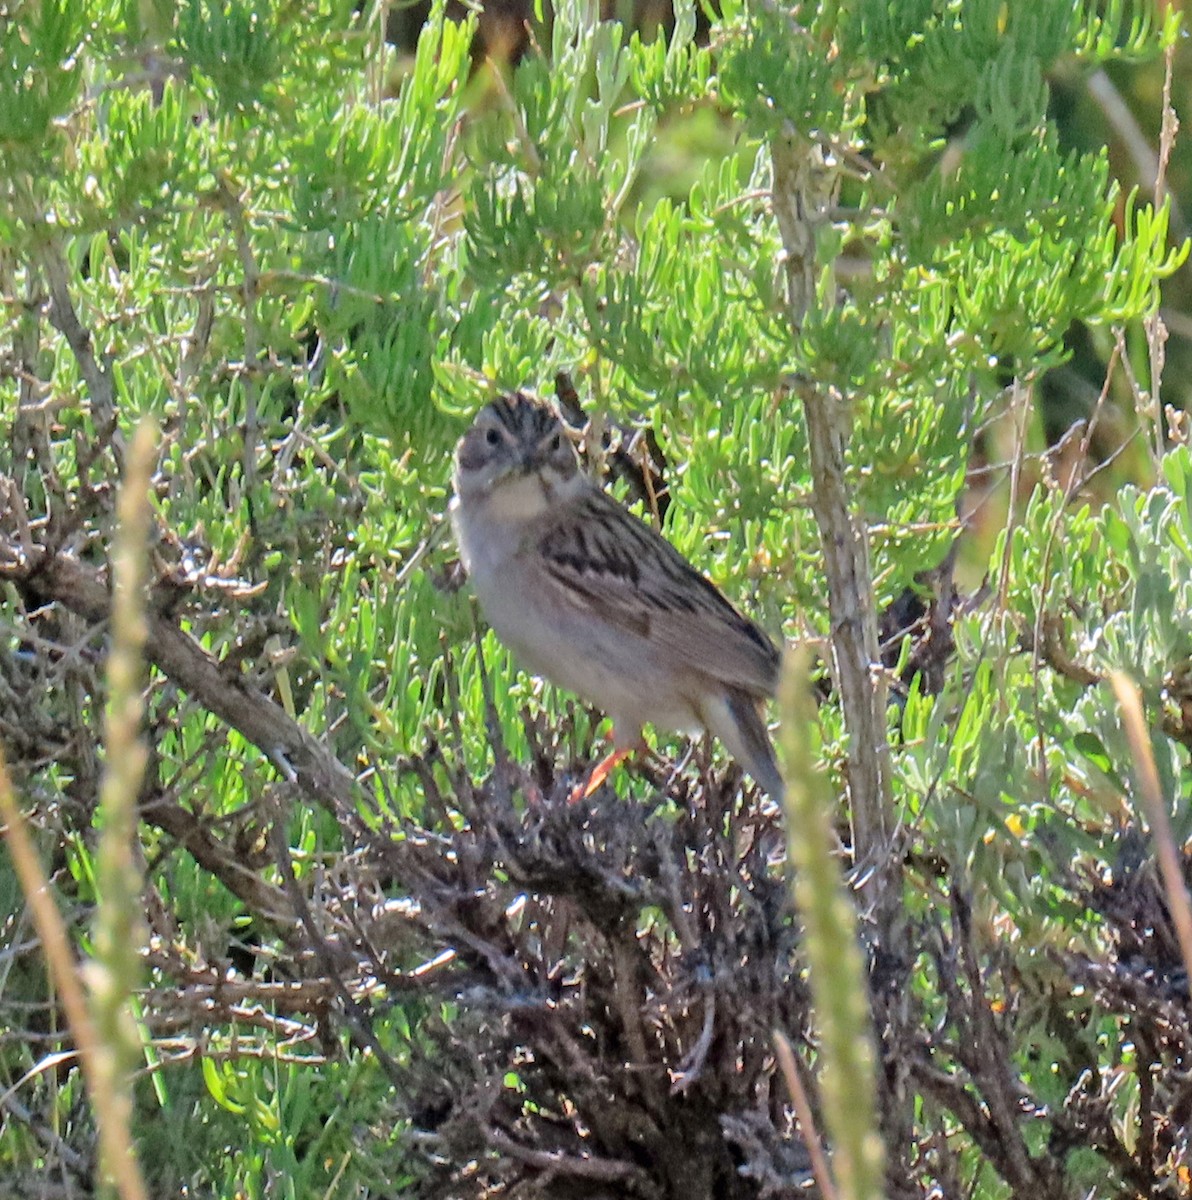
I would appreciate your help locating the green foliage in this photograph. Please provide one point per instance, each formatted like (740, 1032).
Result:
(43, 72)
(775, 72)
(1021, 771)
(228, 48)
(310, 261)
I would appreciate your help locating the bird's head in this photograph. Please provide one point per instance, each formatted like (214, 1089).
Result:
(517, 453)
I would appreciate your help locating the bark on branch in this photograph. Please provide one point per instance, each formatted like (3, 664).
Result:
(62, 579)
(803, 190)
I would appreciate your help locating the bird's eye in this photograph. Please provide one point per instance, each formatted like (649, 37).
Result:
(492, 437)
(556, 442)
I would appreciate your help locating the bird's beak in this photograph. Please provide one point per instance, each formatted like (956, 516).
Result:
(528, 461)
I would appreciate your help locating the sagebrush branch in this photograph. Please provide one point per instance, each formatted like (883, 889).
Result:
(61, 579)
(804, 185)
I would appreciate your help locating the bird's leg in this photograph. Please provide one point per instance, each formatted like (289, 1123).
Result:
(598, 774)
(601, 771)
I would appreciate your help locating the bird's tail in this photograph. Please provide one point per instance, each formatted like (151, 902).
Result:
(746, 738)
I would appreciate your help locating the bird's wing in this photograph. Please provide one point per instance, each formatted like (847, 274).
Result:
(630, 577)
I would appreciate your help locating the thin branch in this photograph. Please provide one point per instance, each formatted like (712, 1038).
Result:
(65, 974)
(607, 1170)
(357, 1019)
(249, 290)
(1151, 794)
(804, 185)
(692, 1066)
(802, 1104)
(1151, 168)
(65, 319)
(61, 579)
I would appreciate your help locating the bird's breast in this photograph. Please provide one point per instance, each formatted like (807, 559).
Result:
(557, 636)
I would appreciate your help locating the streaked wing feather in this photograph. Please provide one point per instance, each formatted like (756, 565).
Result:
(632, 578)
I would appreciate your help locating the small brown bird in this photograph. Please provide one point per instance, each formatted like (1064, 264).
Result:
(591, 598)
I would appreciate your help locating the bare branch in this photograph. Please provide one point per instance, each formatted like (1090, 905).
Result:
(61, 579)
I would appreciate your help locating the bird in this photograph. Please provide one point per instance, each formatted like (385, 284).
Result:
(593, 599)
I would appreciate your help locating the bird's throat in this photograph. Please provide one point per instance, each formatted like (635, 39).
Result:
(519, 498)
(528, 497)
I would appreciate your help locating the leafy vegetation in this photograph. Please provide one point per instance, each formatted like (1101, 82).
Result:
(379, 953)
